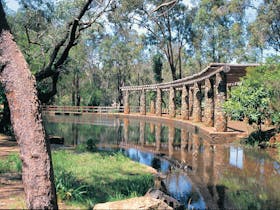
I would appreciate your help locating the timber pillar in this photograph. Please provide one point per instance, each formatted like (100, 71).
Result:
(172, 107)
(190, 102)
(209, 103)
(158, 102)
(185, 103)
(221, 95)
(143, 103)
(126, 102)
(197, 113)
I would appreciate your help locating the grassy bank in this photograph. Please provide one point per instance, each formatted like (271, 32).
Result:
(86, 178)
(89, 178)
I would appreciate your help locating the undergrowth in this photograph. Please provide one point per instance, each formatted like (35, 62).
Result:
(10, 164)
(90, 178)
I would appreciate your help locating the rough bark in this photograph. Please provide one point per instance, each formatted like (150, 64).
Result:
(19, 86)
(158, 102)
(143, 103)
(197, 113)
(172, 106)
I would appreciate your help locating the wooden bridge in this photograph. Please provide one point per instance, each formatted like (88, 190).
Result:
(202, 97)
(77, 110)
(208, 87)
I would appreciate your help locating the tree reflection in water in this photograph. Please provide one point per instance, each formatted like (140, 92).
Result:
(199, 174)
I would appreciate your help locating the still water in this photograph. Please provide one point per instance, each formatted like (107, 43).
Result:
(200, 173)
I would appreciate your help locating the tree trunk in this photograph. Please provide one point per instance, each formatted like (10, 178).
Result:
(19, 85)
(77, 87)
(73, 91)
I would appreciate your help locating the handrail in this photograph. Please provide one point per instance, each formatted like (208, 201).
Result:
(87, 109)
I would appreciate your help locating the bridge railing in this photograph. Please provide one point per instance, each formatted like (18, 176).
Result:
(86, 109)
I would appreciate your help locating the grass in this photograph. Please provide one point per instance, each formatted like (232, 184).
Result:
(89, 178)
(11, 163)
(86, 178)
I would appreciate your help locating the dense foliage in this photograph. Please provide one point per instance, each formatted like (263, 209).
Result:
(257, 97)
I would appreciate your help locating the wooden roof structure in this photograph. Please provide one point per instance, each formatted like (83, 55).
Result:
(233, 71)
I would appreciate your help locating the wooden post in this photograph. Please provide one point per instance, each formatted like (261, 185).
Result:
(209, 103)
(172, 108)
(126, 102)
(220, 123)
(197, 115)
(143, 103)
(185, 103)
(158, 102)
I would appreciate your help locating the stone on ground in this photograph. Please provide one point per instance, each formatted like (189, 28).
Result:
(143, 203)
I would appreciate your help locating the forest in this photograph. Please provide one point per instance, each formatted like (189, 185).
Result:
(81, 52)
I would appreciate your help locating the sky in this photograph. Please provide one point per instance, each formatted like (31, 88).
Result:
(12, 4)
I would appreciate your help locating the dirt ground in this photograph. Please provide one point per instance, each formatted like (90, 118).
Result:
(11, 188)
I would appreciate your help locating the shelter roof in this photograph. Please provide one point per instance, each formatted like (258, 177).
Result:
(233, 71)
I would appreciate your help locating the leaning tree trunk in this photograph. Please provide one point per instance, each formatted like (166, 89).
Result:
(19, 85)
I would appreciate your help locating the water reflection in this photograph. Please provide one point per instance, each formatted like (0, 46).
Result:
(236, 156)
(199, 173)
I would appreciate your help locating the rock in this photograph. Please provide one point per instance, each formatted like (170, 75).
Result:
(172, 202)
(274, 140)
(141, 203)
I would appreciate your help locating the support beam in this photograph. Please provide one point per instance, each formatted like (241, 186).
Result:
(158, 102)
(143, 103)
(209, 103)
(221, 95)
(172, 107)
(190, 102)
(197, 115)
(185, 103)
(126, 102)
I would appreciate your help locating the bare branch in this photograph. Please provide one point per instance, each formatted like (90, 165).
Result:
(165, 4)
(28, 37)
(66, 43)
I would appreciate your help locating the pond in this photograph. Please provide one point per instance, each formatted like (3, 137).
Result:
(200, 172)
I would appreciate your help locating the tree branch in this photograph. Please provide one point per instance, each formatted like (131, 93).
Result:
(165, 4)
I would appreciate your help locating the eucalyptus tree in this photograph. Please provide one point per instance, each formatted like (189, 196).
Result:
(265, 30)
(121, 61)
(51, 33)
(169, 29)
(20, 90)
(219, 31)
(165, 26)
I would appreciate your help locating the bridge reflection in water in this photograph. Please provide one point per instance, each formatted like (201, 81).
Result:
(200, 172)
